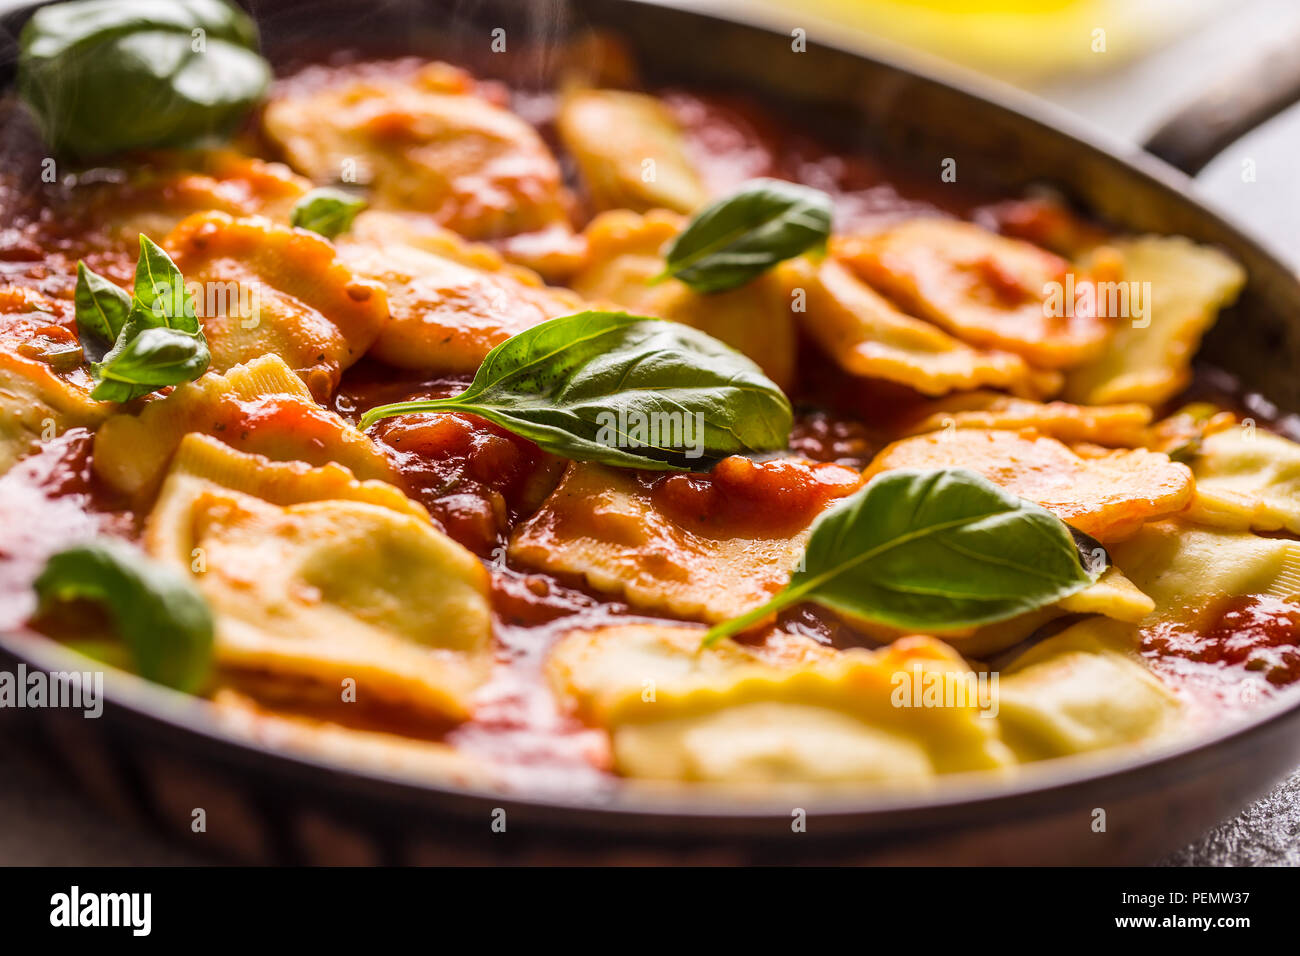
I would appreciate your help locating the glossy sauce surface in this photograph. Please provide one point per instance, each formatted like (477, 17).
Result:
(479, 481)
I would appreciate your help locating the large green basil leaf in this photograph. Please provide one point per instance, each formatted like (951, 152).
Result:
(104, 76)
(623, 390)
(745, 234)
(326, 211)
(159, 615)
(933, 550)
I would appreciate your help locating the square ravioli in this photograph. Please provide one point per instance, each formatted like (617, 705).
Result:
(986, 289)
(671, 545)
(1107, 494)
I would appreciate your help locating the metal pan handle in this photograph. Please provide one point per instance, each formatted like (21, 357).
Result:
(1229, 109)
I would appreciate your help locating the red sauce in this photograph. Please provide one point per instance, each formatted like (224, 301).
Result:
(744, 497)
(1254, 633)
(48, 501)
(478, 481)
(475, 478)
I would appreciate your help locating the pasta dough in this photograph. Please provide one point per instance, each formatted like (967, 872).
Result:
(328, 590)
(868, 337)
(1151, 362)
(983, 288)
(630, 151)
(1113, 425)
(723, 715)
(260, 407)
(445, 316)
(602, 525)
(1248, 478)
(1107, 494)
(423, 140)
(269, 288)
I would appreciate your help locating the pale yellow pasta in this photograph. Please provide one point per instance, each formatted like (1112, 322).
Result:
(1149, 357)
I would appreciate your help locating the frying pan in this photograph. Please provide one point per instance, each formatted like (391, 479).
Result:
(156, 755)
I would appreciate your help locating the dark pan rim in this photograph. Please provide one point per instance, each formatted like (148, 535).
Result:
(164, 712)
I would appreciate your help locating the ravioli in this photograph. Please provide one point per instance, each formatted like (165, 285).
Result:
(630, 151)
(422, 139)
(625, 251)
(1184, 568)
(1112, 596)
(269, 288)
(986, 289)
(1112, 425)
(1083, 690)
(727, 715)
(1107, 494)
(260, 407)
(445, 316)
(171, 184)
(44, 383)
(605, 526)
(870, 338)
(1247, 478)
(1150, 360)
(325, 591)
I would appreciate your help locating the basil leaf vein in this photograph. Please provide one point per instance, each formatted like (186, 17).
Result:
(622, 390)
(743, 235)
(934, 550)
(157, 612)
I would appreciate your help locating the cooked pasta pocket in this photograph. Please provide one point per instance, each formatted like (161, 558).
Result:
(610, 436)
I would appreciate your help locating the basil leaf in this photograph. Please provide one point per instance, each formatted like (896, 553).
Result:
(157, 612)
(158, 342)
(147, 358)
(104, 76)
(931, 549)
(160, 288)
(102, 309)
(623, 390)
(326, 211)
(743, 235)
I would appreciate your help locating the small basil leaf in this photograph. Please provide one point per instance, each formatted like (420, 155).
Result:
(326, 211)
(145, 359)
(156, 611)
(745, 234)
(104, 76)
(160, 288)
(622, 390)
(102, 309)
(931, 550)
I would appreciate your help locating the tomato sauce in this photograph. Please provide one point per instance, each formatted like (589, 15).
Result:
(743, 497)
(1238, 638)
(479, 481)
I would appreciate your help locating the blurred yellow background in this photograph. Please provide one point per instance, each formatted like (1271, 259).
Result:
(1023, 41)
